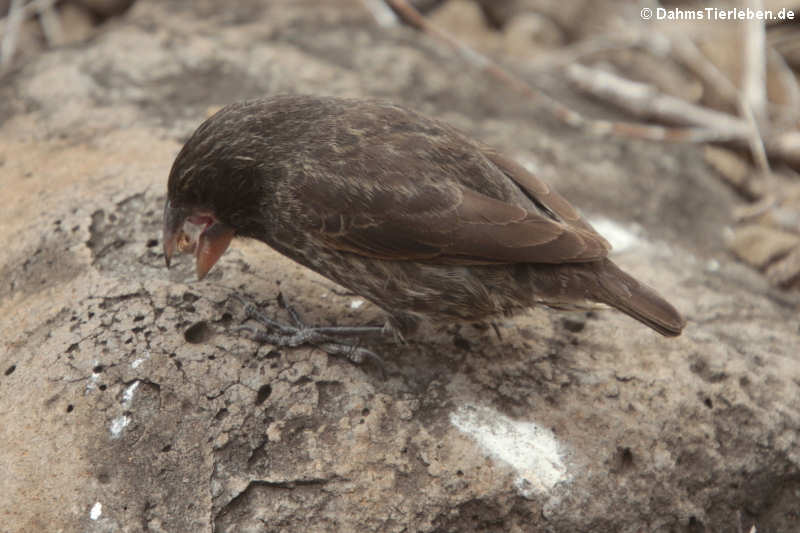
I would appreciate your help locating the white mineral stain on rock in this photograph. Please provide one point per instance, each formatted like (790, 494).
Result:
(355, 304)
(97, 510)
(127, 395)
(118, 424)
(139, 360)
(92, 383)
(621, 238)
(529, 449)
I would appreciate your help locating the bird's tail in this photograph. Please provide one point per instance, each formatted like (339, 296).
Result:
(637, 300)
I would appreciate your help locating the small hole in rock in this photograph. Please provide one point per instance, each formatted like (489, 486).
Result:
(103, 387)
(166, 448)
(623, 459)
(263, 393)
(364, 412)
(198, 333)
(10, 370)
(709, 403)
(70, 407)
(695, 525)
(98, 368)
(461, 343)
(573, 325)
(459, 473)
(138, 318)
(152, 243)
(189, 297)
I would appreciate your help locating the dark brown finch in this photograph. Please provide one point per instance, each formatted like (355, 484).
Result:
(402, 209)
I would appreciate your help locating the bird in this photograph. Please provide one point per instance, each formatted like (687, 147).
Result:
(404, 210)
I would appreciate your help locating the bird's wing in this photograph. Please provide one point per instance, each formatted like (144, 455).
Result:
(540, 193)
(405, 219)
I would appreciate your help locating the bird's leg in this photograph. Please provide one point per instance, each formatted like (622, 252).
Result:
(298, 334)
(497, 330)
(333, 331)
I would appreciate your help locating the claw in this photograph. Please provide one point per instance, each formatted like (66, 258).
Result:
(299, 334)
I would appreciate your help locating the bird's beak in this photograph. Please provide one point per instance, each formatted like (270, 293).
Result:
(174, 218)
(207, 237)
(211, 244)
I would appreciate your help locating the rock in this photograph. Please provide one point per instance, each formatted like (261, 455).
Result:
(106, 8)
(736, 171)
(76, 23)
(128, 401)
(760, 245)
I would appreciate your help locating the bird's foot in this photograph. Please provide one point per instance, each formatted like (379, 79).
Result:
(298, 333)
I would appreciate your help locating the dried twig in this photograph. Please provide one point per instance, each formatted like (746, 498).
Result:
(12, 26)
(791, 109)
(753, 101)
(646, 101)
(687, 52)
(571, 53)
(690, 56)
(754, 140)
(382, 13)
(749, 212)
(597, 127)
(18, 13)
(643, 100)
(50, 22)
(748, 101)
(754, 81)
(705, 125)
(785, 147)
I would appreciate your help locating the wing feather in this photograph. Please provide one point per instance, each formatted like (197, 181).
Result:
(472, 229)
(414, 189)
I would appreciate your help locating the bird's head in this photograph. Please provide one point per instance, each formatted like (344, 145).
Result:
(214, 190)
(195, 230)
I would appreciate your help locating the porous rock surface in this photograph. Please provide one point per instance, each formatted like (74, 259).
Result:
(129, 402)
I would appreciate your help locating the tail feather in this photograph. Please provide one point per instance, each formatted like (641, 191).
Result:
(637, 300)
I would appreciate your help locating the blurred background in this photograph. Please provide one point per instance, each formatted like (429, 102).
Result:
(703, 73)
(129, 401)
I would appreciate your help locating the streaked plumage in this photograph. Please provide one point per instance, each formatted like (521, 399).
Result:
(399, 208)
